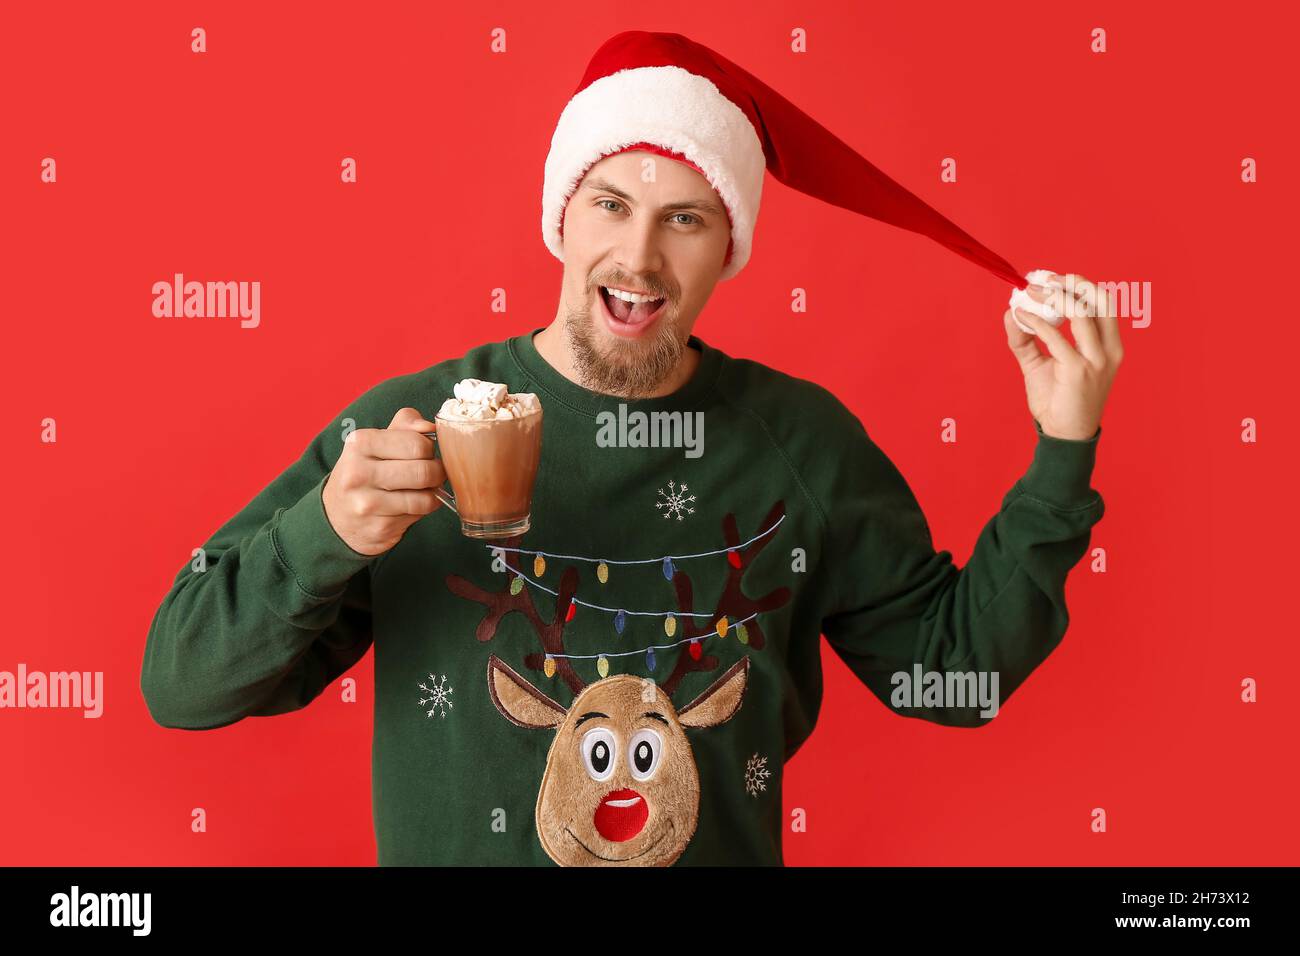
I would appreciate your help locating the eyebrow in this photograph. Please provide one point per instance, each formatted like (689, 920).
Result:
(593, 714)
(699, 205)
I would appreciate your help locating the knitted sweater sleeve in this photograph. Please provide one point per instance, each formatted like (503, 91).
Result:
(897, 602)
(277, 609)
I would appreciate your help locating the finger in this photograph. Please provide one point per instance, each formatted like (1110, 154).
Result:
(1066, 303)
(1056, 342)
(1066, 281)
(392, 443)
(411, 418)
(1062, 288)
(1105, 304)
(1071, 281)
(405, 474)
(1086, 292)
(1039, 293)
(1108, 326)
(1084, 324)
(396, 503)
(1101, 311)
(1088, 340)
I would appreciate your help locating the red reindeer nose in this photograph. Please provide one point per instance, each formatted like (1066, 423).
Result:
(621, 815)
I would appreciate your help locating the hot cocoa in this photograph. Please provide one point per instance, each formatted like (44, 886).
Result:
(490, 441)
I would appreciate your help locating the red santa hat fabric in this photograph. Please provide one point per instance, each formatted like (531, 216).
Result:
(664, 91)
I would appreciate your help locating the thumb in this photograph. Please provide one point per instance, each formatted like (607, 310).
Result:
(1052, 337)
(1023, 345)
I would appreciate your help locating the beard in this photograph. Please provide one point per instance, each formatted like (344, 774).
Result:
(629, 368)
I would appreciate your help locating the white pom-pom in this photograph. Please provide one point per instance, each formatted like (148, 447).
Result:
(1021, 299)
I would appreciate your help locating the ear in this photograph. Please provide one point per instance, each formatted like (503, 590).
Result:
(519, 701)
(719, 703)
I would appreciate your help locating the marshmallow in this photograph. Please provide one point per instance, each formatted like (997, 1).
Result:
(477, 400)
(479, 392)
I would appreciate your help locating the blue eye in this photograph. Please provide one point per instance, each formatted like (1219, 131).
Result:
(692, 219)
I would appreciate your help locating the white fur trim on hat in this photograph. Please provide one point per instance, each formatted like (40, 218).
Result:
(670, 107)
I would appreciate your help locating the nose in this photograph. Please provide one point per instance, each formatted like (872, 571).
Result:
(638, 251)
(621, 815)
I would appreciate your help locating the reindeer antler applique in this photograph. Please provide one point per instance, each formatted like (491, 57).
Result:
(733, 604)
(500, 603)
(621, 787)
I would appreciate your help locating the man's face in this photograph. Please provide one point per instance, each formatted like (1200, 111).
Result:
(642, 223)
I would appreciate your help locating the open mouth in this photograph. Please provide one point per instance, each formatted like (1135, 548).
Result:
(629, 312)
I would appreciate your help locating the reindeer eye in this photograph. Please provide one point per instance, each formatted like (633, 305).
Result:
(598, 753)
(643, 753)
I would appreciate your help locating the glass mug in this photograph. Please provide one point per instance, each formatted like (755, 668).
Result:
(491, 464)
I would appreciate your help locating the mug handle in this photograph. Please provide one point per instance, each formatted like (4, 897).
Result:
(442, 495)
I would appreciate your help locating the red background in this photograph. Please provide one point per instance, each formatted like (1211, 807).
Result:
(1123, 166)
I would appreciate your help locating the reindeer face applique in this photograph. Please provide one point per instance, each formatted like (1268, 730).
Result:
(621, 787)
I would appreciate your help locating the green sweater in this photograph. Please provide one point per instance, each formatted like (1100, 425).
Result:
(786, 519)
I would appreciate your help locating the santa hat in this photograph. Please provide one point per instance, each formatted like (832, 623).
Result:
(666, 93)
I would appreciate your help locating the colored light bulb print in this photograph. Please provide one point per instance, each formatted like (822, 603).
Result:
(618, 790)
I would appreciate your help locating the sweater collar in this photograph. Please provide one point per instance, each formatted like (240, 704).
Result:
(554, 386)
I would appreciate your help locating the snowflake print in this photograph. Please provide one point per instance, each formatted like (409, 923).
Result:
(676, 502)
(756, 773)
(439, 699)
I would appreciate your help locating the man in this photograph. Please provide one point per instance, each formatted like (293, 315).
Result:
(622, 684)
